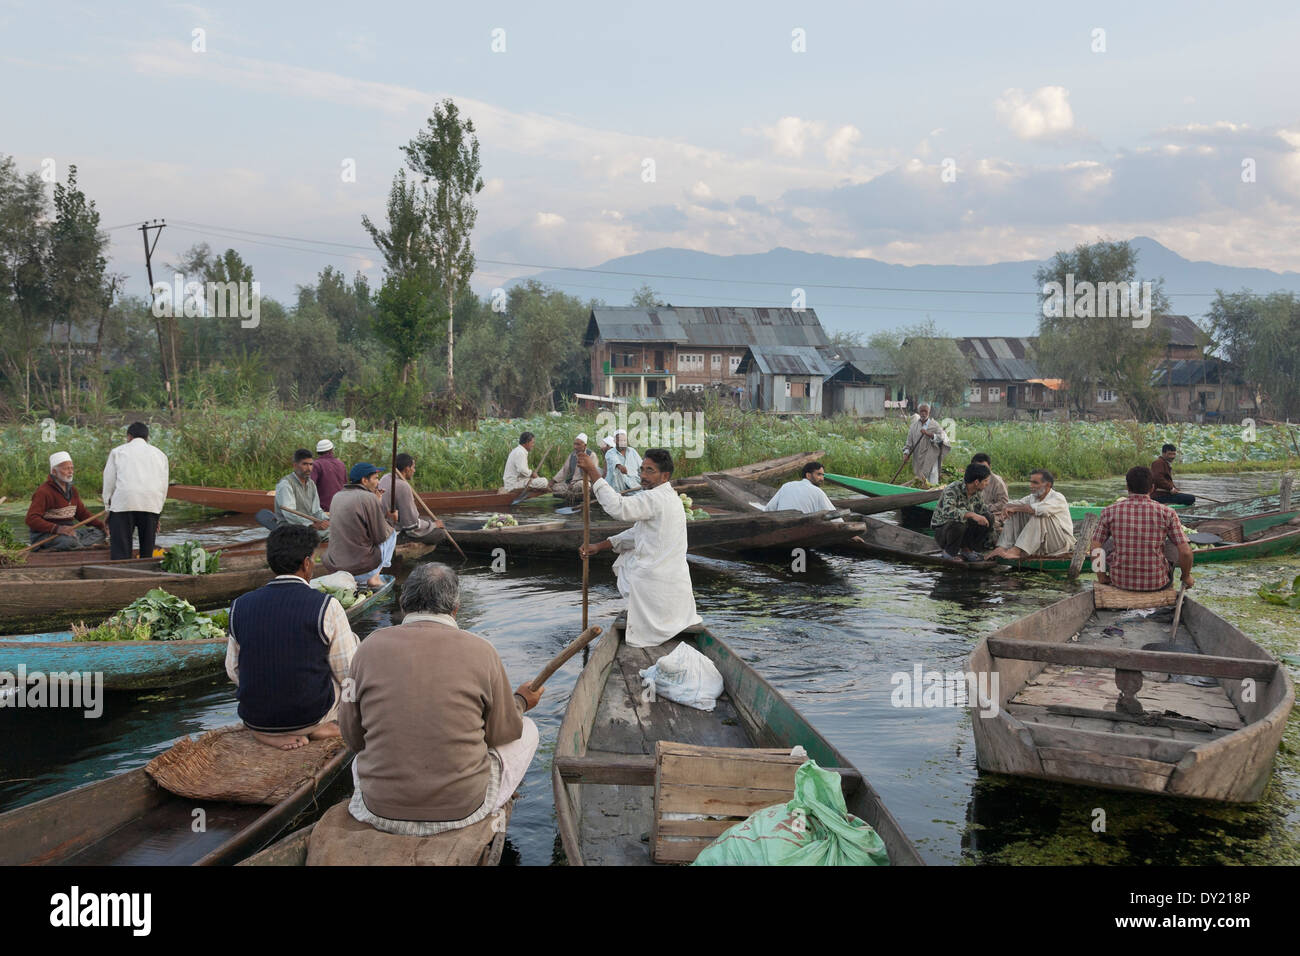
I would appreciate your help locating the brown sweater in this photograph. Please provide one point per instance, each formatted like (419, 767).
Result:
(426, 702)
(1162, 476)
(51, 507)
(358, 526)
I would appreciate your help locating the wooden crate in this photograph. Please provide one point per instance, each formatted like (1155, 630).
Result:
(1113, 598)
(726, 782)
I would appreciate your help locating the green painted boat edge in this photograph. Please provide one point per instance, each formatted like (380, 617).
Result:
(1246, 551)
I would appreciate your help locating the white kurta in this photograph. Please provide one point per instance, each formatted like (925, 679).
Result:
(629, 460)
(651, 565)
(135, 478)
(518, 475)
(800, 495)
(928, 446)
(1051, 533)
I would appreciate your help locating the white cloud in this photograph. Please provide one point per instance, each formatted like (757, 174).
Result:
(790, 135)
(1045, 113)
(839, 145)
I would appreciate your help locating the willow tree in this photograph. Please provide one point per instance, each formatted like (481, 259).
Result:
(445, 156)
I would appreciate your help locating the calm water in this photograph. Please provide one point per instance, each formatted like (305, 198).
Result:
(829, 638)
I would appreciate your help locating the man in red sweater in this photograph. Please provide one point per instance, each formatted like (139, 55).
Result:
(56, 507)
(329, 473)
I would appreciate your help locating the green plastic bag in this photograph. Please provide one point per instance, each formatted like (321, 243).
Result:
(813, 829)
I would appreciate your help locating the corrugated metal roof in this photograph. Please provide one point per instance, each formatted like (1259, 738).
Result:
(1182, 330)
(714, 327)
(1186, 372)
(867, 360)
(999, 359)
(785, 360)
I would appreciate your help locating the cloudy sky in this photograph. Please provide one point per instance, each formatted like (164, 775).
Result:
(912, 133)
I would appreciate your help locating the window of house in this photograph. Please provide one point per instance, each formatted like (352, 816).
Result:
(715, 362)
(1106, 396)
(1178, 400)
(975, 393)
(734, 362)
(690, 361)
(627, 387)
(995, 393)
(796, 389)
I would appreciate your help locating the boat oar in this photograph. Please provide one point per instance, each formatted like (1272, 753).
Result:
(298, 513)
(586, 542)
(1178, 610)
(438, 522)
(559, 660)
(1082, 544)
(538, 470)
(37, 544)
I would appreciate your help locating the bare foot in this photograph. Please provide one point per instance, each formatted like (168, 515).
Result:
(282, 741)
(375, 582)
(325, 731)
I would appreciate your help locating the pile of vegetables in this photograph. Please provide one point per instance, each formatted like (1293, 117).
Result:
(190, 558)
(1280, 594)
(158, 616)
(345, 596)
(500, 521)
(692, 513)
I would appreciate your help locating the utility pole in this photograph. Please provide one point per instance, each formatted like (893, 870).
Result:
(158, 224)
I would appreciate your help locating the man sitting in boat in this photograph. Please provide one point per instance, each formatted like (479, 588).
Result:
(622, 464)
(1143, 539)
(995, 494)
(362, 539)
(56, 507)
(1037, 524)
(1163, 488)
(926, 445)
(441, 742)
(962, 523)
(296, 492)
(518, 475)
(805, 495)
(328, 472)
(290, 648)
(568, 480)
(651, 566)
(412, 525)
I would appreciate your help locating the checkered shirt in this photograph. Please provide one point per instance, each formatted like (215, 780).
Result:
(1140, 528)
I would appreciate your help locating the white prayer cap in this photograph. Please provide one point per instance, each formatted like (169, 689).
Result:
(582, 437)
(607, 440)
(621, 431)
(324, 445)
(58, 458)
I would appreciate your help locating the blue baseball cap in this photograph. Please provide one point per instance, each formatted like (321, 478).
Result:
(362, 469)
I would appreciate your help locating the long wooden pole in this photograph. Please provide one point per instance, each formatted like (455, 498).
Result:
(37, 544)
(1178, 611)
(587, 636)
(436, 520)
(586, 542)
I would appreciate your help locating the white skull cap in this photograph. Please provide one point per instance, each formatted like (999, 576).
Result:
(58, 458)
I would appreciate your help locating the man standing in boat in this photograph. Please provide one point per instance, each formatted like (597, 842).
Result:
(622, 465)
(362, 540)
(1037, 524)
(962, 524)
(518, 475)
(926, 445)
(289, 649)
(1163, 488)
(412, 525)
(135, 488)
(805, 495)
(651, 566)
(441, 742)
(328, 472)
(1142, 539)
(56, 507)
(297, 493)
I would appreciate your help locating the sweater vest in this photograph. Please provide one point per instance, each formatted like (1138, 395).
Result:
(285, 681)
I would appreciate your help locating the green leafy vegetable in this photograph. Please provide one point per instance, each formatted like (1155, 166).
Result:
(1281, 595)
(158, 616)
(190, 558)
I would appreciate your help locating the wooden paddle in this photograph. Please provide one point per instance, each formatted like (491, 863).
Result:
(300, 514)
(1082, 544)
(536, 471)
(559, 660)
(37, 544)
(1178, 610)
(586, 542)
(438, 521)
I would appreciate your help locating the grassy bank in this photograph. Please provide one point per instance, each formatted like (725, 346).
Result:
(252, 448)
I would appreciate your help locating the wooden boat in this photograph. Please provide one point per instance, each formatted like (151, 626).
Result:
(1237, 508)
(1263, 536)
(734, 491)
(603, 770)
(479, 845)
(721, 533)
(1059, 717)
(251, 502)
(869, 487)
(233, 557)
(878, 539)
(129, 820)
(134, 665)
(758, 471)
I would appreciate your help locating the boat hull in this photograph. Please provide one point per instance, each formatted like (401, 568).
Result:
(244, 501)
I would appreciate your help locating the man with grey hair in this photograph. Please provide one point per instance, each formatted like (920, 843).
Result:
(1038, 524)
(56, 508)
(927, 446)
(441, 742)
